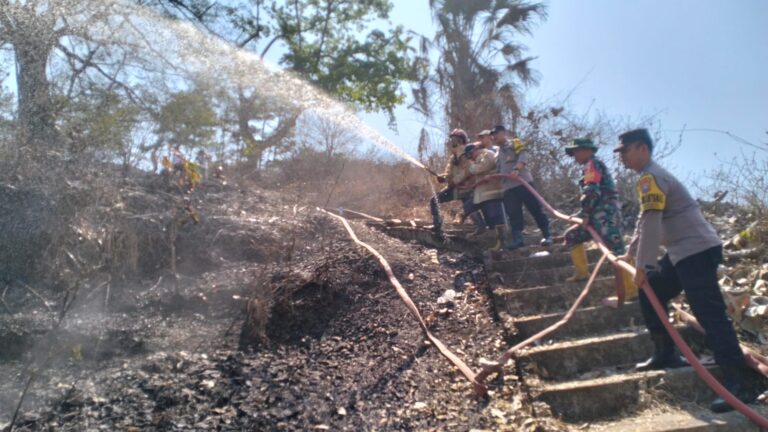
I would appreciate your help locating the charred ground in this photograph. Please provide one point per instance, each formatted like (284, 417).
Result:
(274, 320)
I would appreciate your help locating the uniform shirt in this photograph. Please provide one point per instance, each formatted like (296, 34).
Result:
(484, 165)
(669, 216)
(598, 190)
(510, 154)
(456, 170)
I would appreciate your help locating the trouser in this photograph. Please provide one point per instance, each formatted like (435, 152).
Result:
(472, 210)
(514, 199)
(492, 212)
(607, 223)
(446, 195)
(697, 276)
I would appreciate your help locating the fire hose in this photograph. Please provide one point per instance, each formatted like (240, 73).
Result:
(703, 373)
(453, 358)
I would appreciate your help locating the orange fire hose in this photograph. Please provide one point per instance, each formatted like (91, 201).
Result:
(455, 360)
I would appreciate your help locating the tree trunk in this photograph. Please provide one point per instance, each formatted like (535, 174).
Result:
(36, 114)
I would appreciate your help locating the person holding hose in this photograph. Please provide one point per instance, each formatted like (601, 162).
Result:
(459, 185)
(487, 194)
(513, 159)
(600, 209)
(670, 217)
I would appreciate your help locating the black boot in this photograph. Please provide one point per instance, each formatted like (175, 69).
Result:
(664, 355)
(742, 382)
(546, 237)
(437, 228)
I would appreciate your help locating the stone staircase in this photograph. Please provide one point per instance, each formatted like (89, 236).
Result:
(584, 371)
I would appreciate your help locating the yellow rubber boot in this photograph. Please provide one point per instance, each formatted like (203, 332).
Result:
(581, 269)
(500, 238)
(630, 289)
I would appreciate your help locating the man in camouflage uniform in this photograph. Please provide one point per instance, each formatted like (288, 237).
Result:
(600, 208)
(459, 185)
(669, 216)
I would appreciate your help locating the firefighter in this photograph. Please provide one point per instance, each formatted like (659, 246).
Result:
(600, 209)
(669, 216)
(513, 159)
(459, 185)
(487, 193)
(486, 140)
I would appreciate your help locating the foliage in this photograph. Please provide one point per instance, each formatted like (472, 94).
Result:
(472, 38)
(745, 178)
(187, 119)
(101, 122)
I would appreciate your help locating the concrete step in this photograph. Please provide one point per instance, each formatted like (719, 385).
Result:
(551, 276)
(682, 419)
(618, 395)
(550, 299)
(597, 355)
(553, 260)
(586, 322)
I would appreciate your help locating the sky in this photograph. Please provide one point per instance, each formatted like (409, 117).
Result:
(702, 64)
(698, 64)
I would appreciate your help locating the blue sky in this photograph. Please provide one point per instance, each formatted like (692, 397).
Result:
(699, 63)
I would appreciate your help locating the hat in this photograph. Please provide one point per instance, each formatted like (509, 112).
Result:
(460, 133)
(484, 132)
(579, 143)
(633, 136)
(469, 149)
(498, 128)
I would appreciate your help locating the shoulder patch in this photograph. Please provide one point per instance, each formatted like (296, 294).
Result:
(518, 145)
(592, 175)
(651, 196)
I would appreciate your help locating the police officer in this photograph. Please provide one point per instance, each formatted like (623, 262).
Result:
(459, 184)
(600, 209)
(669, 216)
(513, 159)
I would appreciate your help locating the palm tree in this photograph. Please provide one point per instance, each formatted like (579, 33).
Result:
(481, 68)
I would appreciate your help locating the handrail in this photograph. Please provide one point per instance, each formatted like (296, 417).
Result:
(703, 373)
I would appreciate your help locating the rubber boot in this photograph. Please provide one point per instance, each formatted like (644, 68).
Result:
(517, 241)
(437, 228)
(741, 381)
(664, 355)
(581, 269)
(630, 289)
(501, 236)
(477, 219)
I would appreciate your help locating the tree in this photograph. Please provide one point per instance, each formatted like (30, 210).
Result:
(102, 124)
(187, 120)
(71, 44)
(472, 37)
(326, 136)
(320, 41)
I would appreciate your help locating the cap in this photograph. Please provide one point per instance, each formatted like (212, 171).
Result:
(633, 136)
(579, 143)
(485, 132)
(498, 128)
